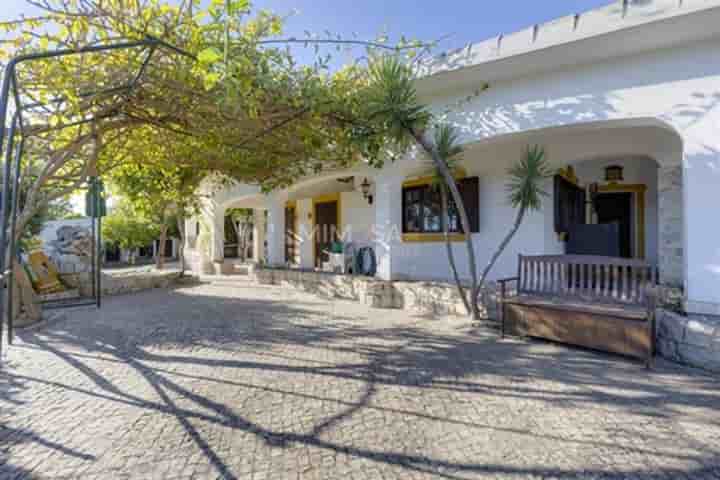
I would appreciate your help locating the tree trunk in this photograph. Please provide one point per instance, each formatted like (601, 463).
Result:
(26, 302)
(181, 246)
(246, 239)
(160, 257)
(445, 173)
(500, 250)
(448, 247)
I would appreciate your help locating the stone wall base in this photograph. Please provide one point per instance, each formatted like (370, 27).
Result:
(434, 299)
(693, 340)
(118, 284)
(135, 282)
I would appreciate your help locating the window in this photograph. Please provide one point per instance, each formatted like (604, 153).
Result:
(422, 208)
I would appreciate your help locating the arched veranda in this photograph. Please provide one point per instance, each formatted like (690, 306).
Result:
(650, 153)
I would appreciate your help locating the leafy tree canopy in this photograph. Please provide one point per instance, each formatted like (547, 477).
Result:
(239, 98)
(128, 228)
(222, 93)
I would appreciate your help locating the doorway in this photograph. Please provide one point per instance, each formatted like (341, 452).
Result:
(326, 230)
(291, 250)
(616, 207)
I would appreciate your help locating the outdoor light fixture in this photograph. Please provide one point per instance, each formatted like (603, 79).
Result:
(614, 173)
(593, 189)
(365, 188)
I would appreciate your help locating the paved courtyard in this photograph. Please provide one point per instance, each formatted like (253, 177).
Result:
(232, 380)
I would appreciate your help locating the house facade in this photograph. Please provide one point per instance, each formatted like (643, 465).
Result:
(625, 101)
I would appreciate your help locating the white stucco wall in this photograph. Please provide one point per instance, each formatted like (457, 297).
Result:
(588, 150)
(663, 104)
(679, 87)
(358, 218)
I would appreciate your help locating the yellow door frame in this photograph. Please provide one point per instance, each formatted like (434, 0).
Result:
(329, 198)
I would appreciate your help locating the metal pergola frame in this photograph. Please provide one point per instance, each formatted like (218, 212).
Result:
(10, 188)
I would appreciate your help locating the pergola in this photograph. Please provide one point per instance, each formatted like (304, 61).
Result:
(13, 139)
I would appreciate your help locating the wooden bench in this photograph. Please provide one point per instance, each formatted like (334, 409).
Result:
(602, 303)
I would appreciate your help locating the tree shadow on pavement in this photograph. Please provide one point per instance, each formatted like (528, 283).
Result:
(11, 387)
(253, 335)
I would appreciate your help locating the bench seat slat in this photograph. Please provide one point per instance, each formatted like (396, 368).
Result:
(634, 312)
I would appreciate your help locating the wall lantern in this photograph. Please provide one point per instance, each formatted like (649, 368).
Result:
(614, 173)
(593, 189)
(365, 188)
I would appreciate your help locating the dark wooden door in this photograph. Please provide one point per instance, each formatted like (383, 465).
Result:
(326, 229)
(617, 208)
(290, 236)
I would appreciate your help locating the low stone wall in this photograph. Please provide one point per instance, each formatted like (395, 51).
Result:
(118, 284)
(123, 281)
(693, 340)
(366, 290)
(441, 299)
(434, 299)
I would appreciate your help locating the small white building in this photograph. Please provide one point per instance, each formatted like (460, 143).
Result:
(635, 84)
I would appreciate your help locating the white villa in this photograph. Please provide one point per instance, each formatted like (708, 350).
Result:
(625, 98)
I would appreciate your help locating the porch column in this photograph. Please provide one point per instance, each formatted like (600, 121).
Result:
(701, 183)
(276, 229)
(671, 252)
(259, 235)
(388, 223)
(305, 228)
(217, 234)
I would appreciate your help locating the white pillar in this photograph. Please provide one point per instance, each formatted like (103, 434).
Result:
(305, 228)
(217, 234)
(276, 229)
(388, 224)
(701, 182)
(190, 235)
(697, 244)
(259, 235)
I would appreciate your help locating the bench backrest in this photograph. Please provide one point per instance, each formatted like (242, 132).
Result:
(585, 276)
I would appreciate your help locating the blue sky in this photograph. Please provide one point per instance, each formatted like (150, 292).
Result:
(464, 21)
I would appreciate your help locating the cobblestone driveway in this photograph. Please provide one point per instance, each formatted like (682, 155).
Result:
(239, 381)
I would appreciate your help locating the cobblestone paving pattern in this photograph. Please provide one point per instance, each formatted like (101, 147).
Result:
(236, 381)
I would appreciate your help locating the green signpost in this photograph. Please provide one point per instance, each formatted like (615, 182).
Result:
(96, 208)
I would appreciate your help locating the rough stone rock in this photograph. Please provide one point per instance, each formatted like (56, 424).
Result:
(693, 340)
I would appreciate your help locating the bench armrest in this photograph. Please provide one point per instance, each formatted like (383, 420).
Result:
(503, 285)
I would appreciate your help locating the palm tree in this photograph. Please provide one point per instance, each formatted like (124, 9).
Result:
(447, 146)
(393, 107)
(395, 114)
(524, 193)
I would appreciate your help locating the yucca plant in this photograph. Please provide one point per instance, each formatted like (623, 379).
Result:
(449, 149)
(525, 193)
(393, 106)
